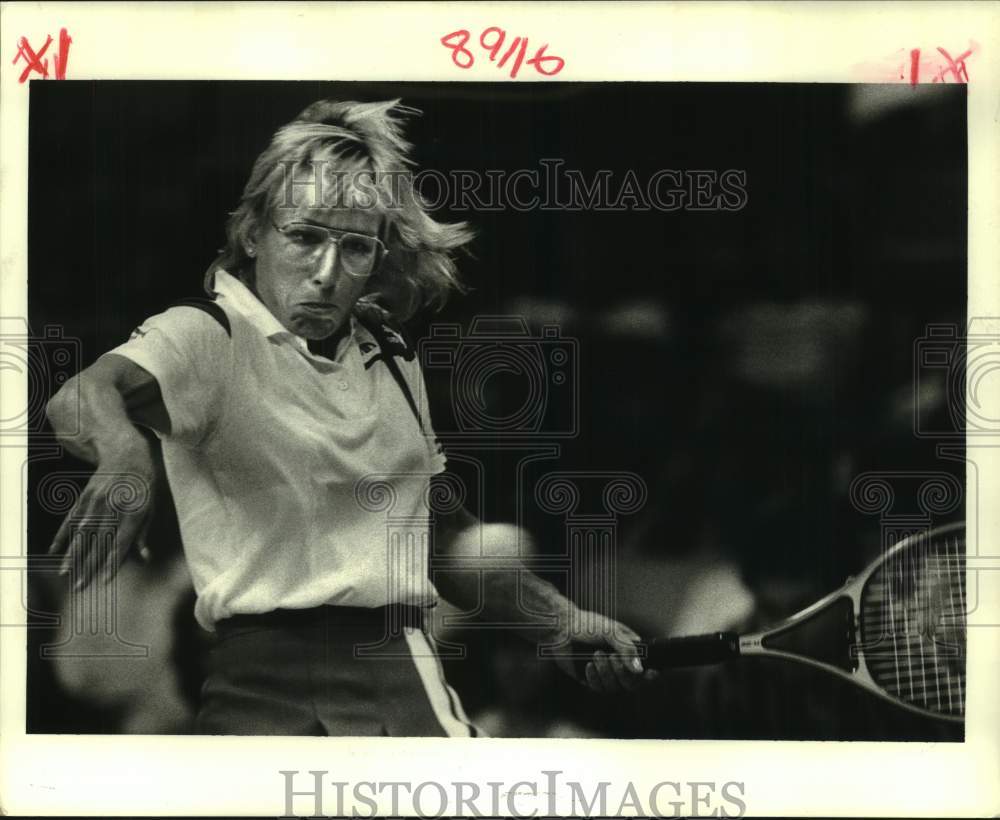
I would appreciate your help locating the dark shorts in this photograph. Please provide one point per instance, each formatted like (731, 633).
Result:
(328, 671)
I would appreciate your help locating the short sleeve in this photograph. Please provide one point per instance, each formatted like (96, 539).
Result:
(415, 378)
(188, 353)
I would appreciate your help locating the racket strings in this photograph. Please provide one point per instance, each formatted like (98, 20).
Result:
(913, 610)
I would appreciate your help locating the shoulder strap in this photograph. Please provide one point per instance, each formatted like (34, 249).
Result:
(210, 306)
(378, 329)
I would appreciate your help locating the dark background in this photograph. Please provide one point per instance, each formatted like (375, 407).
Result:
(747, 365)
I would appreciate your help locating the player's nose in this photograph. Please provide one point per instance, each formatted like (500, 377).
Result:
(325, 273)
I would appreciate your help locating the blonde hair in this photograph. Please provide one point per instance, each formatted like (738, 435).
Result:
(419, 271)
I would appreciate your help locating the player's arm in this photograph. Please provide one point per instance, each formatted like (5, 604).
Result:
(517, 595)
(95, 416)
(96, 411)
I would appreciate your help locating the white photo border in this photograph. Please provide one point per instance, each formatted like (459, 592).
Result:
(699, 42)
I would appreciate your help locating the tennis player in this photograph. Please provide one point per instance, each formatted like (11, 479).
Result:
(284, 404)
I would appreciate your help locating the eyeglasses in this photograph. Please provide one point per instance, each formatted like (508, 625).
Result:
(358, 254)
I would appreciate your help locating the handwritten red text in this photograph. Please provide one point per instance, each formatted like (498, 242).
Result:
(937, 67)
(493, 41)
(36, 61)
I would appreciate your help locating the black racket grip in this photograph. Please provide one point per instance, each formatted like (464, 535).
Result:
(692, 650)
(669, 653)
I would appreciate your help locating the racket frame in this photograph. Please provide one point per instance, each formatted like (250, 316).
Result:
(752, 644)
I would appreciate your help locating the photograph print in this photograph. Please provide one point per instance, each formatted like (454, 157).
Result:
(563, 410)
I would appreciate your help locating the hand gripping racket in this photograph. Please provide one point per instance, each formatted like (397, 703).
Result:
(897, 629)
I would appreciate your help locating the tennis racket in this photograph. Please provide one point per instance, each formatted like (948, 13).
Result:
(897, 629)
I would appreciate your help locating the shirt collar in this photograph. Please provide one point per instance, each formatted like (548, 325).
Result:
(243, 300)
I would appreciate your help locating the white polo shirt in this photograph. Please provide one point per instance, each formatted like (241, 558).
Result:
(298, 480)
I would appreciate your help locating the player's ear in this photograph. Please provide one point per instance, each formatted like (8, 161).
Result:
(252, 229)
(250, 242)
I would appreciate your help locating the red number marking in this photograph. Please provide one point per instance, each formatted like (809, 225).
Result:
(62, 57)
(34, 62)
(492, 40)
(541, 57)
(460, 38)
(493, 49)
(511, 50)
(914, 65)
(955, 67)
(520, 58)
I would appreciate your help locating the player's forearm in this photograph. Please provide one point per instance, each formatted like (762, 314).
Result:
(492, 580)
(90, 418)
(530, 606)
(522, 595)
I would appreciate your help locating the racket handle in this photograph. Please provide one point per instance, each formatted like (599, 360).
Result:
(692, 650)
(669, 653)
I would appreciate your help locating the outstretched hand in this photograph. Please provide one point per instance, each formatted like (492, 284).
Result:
(111, 516)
